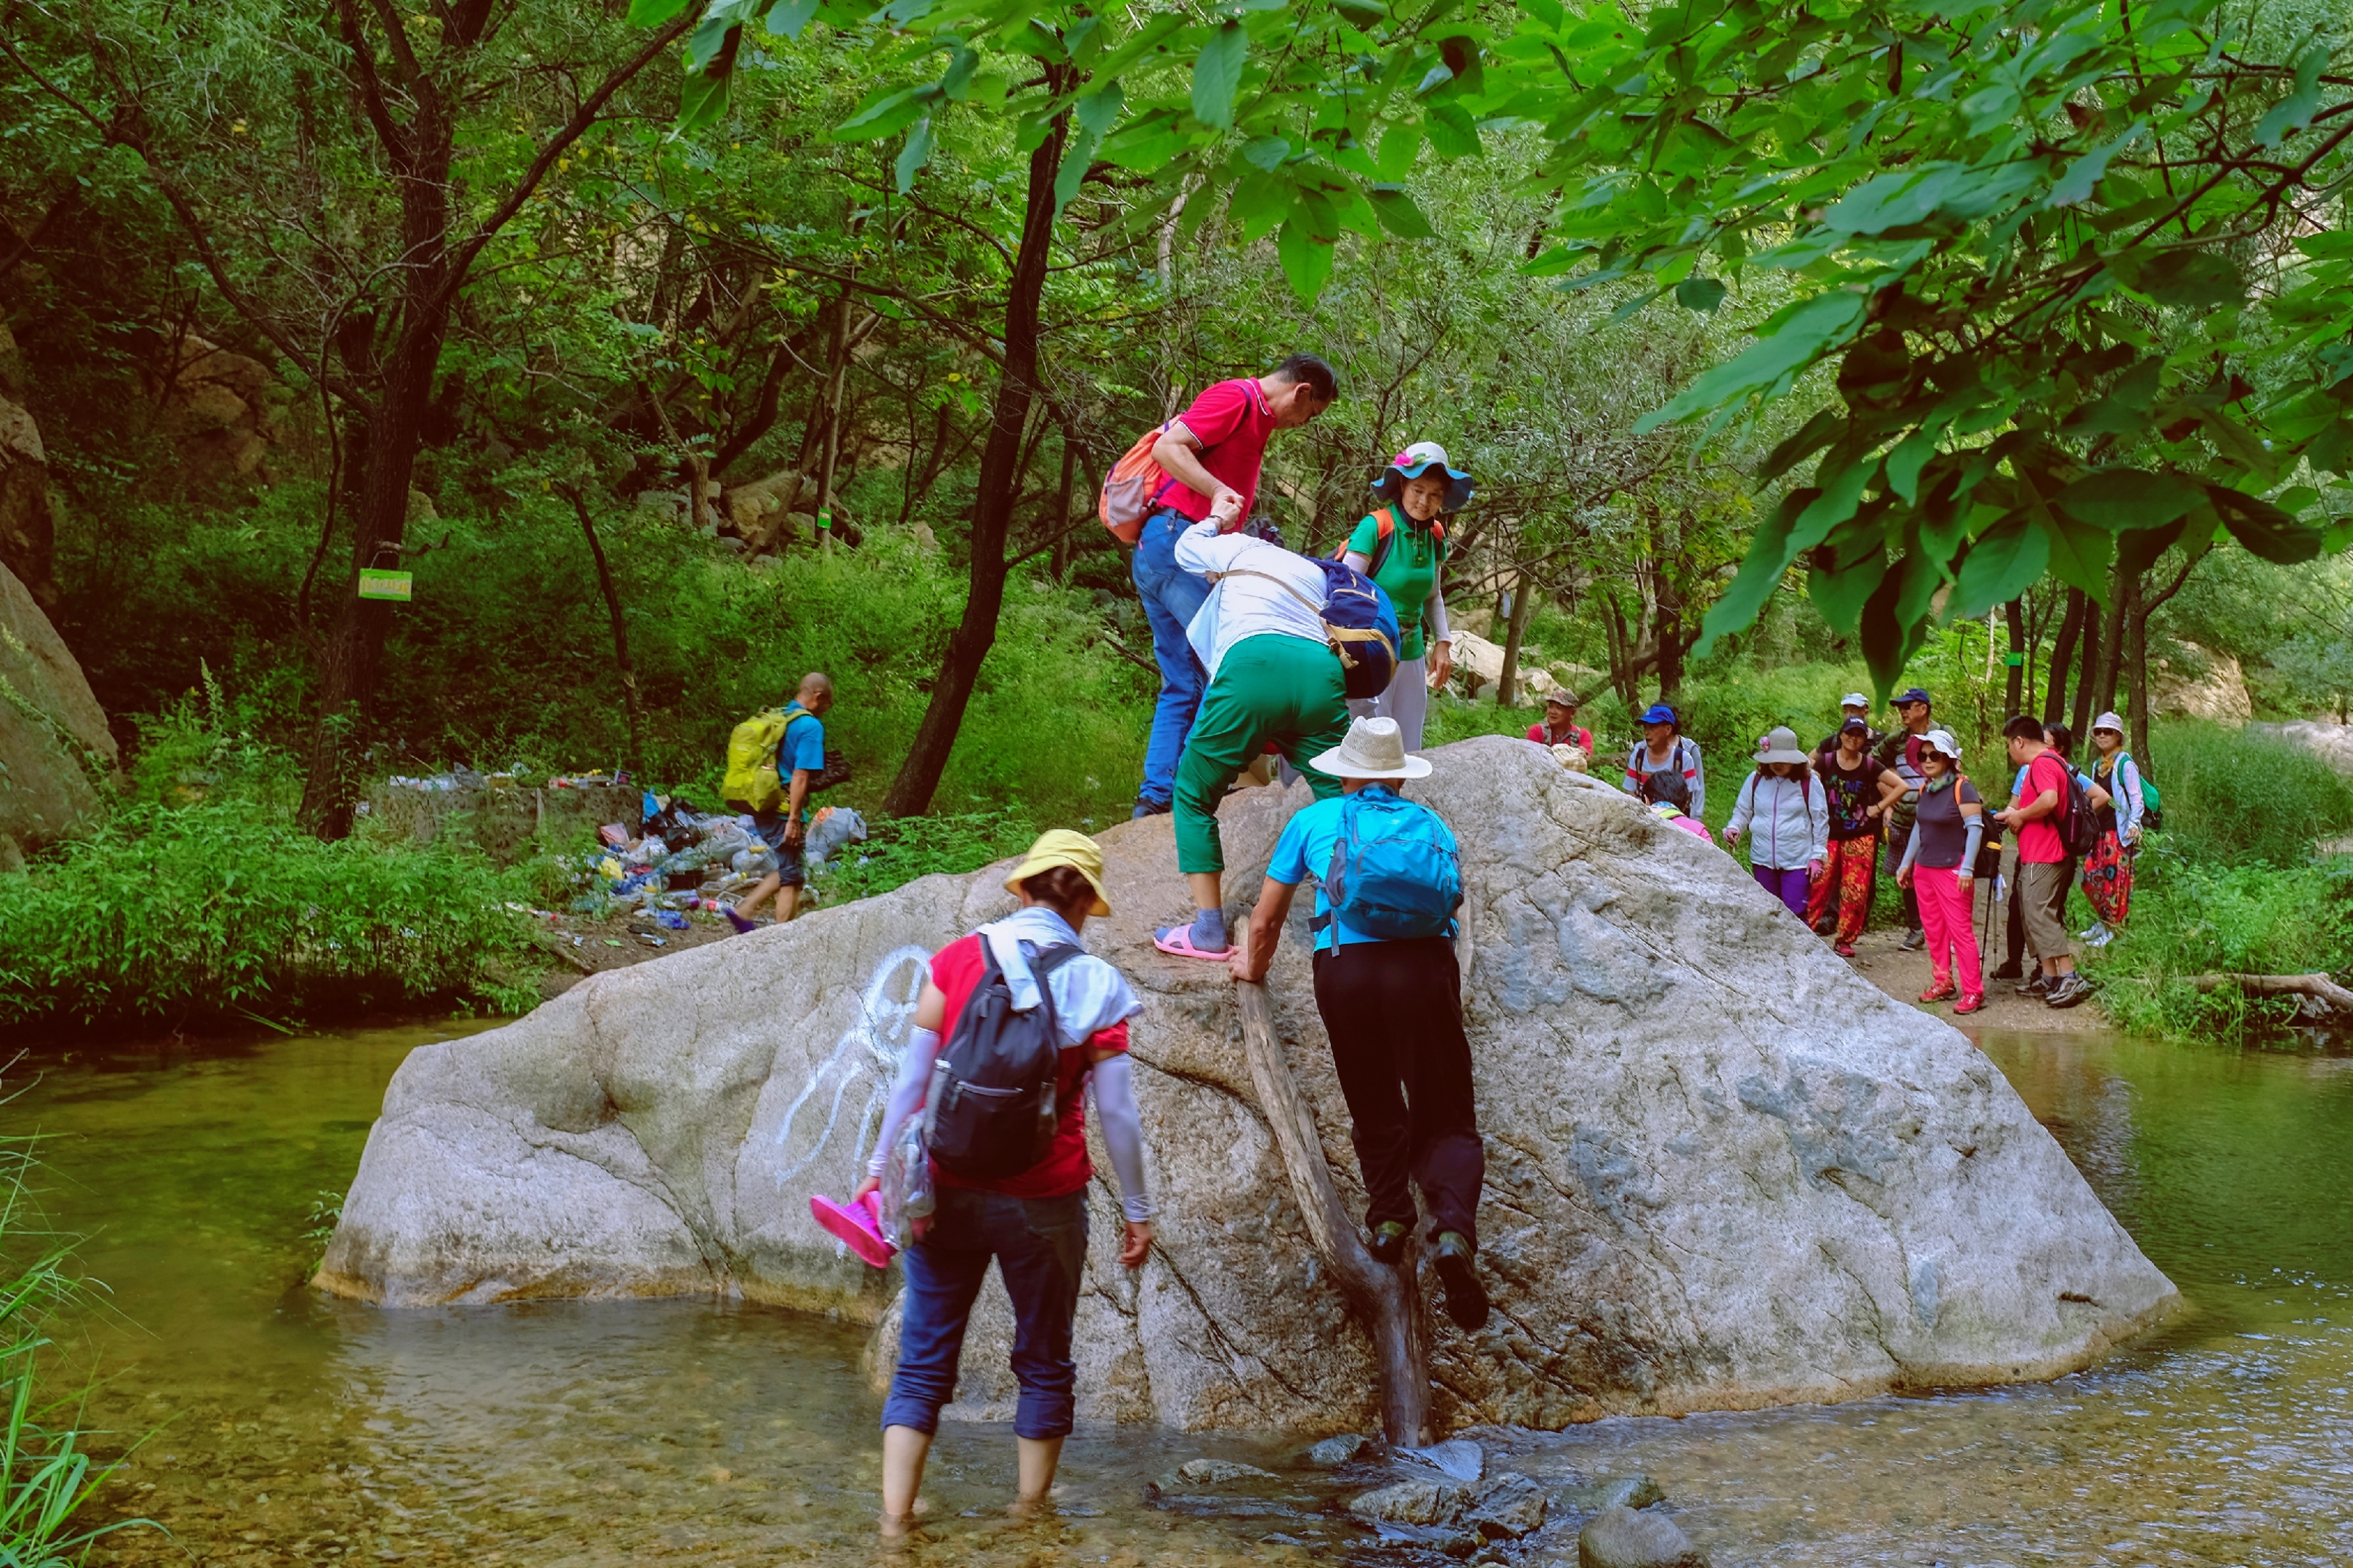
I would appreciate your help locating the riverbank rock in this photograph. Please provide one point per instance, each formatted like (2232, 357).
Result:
(55, 748)
(1723, 1172)
(29, 523)
(2197, 682)
(1621, 1538)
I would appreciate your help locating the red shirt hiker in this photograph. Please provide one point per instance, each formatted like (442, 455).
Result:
(1232, 420)
(955, 970)
(2039, 843)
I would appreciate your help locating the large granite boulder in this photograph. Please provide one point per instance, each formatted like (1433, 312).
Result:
(1723, 1172)
(55, 748)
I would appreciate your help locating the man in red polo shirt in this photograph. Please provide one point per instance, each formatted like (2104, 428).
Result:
(2034, 815)
(1211, 455)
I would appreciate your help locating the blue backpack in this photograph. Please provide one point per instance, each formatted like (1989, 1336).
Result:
(1363, 625)
(1392, 877)
(1358, 621)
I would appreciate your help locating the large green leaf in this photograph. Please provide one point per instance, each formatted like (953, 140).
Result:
(2264, 528)
(2122, 498)
(1398, 212)
(1840, 596)
(1802, 334)
(2005, 560)
(1217, 75)
(2080, 552)
(913, 155)
(1306, 260)
(1770, 553)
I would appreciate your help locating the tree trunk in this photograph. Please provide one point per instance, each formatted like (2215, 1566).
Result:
(2062, 656)
(2112, 638)
(2014, 700)
(1385, 1301)
(354, 650)
(1671, 647)
(919, 776)
(620, 628)
(2087, 675)
(2137, 661)
(1060, 560)
(2319, 988)
(1524, 599)
(837, 367)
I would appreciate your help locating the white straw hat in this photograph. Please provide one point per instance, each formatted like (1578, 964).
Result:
(2108, 722)
(1375, 749)
(1943, 741)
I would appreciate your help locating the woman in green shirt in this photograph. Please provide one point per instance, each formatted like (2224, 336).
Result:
(1401, 545)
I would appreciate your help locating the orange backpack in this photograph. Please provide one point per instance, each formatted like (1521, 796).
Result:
(1132, 487)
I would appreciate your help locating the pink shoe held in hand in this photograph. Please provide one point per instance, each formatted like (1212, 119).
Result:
(857, 1224)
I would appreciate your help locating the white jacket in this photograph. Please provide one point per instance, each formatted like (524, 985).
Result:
(1787, 820)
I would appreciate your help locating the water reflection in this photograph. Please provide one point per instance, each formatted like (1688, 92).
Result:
(293, 1428)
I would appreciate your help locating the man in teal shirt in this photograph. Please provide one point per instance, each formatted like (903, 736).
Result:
(800, 758)
(1393, 1011)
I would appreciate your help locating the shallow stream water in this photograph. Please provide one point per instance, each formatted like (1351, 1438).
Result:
(287, 1426)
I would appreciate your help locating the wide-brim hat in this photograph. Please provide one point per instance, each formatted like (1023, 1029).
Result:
(2108, 722)
(1061, 847)
(1942, 740)
(1781, 745)
(1373, 749)
(1417, 460)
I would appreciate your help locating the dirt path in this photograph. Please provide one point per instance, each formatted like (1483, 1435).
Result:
(1904, 975)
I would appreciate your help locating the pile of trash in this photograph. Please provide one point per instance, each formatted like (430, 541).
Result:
(679, 861)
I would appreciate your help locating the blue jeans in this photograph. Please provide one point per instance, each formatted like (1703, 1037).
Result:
(1171, 596)
(1040, 1247)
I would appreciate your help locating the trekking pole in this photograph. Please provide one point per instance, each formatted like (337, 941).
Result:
(1385, 1299)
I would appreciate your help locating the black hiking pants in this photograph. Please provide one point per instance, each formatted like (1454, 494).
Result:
(1394, 1013)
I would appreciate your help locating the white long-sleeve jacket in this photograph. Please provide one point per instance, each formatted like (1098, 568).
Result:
(1787, 821)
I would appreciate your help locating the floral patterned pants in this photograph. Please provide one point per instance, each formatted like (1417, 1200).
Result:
(1852, 862)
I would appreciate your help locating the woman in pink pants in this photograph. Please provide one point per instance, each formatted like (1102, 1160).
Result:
(1938, 862)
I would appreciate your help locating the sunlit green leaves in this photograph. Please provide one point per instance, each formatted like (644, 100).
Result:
(1217, 75)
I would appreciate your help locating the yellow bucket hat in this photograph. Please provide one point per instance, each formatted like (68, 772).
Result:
(1061, 847)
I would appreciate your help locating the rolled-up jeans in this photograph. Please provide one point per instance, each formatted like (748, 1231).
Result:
(1040, 1247)
(1171, 596)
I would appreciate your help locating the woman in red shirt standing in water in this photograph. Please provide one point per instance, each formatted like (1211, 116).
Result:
(1034, 1223)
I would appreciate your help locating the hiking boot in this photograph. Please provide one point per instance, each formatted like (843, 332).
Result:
(1388, 1243)
(2035, 984)
(2007, 971)
(1144, 808)
(1944, 993)
(1971, 1002)
(1466, 1298)
(2071, 989)
(1913, 941)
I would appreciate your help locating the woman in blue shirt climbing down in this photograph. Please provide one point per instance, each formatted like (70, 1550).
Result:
(1390, 994)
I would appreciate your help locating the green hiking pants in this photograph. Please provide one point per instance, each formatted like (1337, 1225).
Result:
(1272, 686)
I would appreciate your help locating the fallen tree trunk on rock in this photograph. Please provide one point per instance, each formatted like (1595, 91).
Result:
(2318, 986)
(1385, 1299)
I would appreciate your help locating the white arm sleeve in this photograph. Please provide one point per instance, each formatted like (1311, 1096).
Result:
(1433, 616)
(1123, 1130)
(906, 1092)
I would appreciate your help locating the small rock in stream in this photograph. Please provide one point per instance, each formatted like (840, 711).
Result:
(1620, 1538)
(1336, 1451)
(1613, 1491)
(1220, 1472)
(1459, 1458)
(1411, 1503)
(1509, 1507)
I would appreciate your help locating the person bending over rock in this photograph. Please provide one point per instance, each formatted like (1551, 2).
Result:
(1272, 677)
(1392, 1004)
(1033, 1222)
